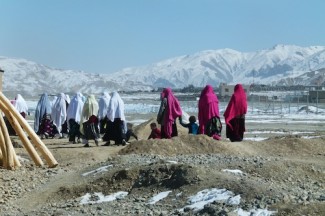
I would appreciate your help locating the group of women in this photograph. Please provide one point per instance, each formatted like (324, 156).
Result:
(208, 114)
(85, 118)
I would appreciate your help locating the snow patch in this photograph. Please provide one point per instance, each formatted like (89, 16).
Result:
(98, 170)
(158, 197)
(100, 197)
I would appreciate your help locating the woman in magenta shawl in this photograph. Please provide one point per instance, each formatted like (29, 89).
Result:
(168, 112)
(235, 114)
(209, 117)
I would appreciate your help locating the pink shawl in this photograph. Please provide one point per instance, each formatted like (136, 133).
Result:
(237, 105)
(173, 110)
(208, 107)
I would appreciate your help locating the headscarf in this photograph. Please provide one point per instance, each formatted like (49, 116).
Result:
(89, 109)
(43, 107)
(75, 108)
(208, 107)
(115, 108)
(237, 104)
(20, 104)
(103, 105)
(59, 111)
(173, 110)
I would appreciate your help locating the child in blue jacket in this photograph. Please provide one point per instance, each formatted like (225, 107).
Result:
(193, 127)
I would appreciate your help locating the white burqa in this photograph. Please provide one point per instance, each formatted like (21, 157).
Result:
(20, 104)
(59, 112)
(103, 104)
(75, 108)
(116, 108)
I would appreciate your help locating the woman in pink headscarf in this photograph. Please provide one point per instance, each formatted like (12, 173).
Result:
(235, 114)
(168, 112)
(209, 117)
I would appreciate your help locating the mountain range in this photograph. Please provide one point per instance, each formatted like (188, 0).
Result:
(279, 65)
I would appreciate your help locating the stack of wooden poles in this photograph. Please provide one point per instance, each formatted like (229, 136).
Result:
(8, 157)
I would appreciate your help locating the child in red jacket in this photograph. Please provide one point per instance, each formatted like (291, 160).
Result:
(155, 132)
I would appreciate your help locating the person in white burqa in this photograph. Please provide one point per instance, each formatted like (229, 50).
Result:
(73, 117)
(89, 121)
(116, 126)
(59, 113)
(102, 113)
(21, 105)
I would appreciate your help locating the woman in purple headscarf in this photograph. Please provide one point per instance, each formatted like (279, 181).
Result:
(235, 114)
(168, 112)
(209, 117)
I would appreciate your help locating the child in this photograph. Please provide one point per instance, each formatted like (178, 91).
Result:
(192, 126)
(47, 128)
(155, 132)
(129, 132)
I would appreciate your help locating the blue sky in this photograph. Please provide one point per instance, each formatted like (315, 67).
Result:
(104, 36)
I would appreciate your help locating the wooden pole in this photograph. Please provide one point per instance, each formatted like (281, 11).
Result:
(16, 161)
(35, 139)
(10, 158)
(19, 131)
(3, 150)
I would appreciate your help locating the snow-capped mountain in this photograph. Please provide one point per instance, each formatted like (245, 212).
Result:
(282, 64)
(32, 79)
(228, 66)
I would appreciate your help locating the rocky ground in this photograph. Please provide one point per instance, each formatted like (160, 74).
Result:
(285, 174)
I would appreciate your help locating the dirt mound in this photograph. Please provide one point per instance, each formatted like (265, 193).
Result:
(289, 145)
(149, 177)
(201, 144)
(183, 144)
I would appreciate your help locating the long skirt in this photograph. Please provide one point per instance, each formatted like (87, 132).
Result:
(174, 131)
(64, 127)
(91, 130)
(115, 131)
(74, 130)
(102, 125)
(236, 133)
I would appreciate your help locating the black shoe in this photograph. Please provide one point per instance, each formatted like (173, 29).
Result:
(87, 145)
(123, 142)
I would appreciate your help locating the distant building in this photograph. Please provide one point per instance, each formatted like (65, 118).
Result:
(227, 90)
(1, 74)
